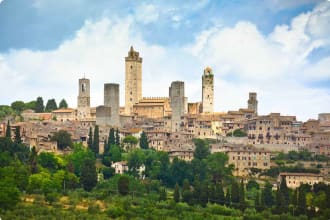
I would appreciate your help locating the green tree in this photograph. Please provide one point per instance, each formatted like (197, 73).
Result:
(31, 105)
(78, 156)
(88, 176)
(186, 192)
(18, 138)
(228, 197)
(63, 104)
(117, 136)
(135, 161)
(235, 198)
(9, 195)
(302, 207)
(284, 196)
(33, 157)
(252, 184)
(131, 141)
(237, 133)
(257, 203)
(40, 105)
(123, 185)
(219, 194)
(112, 138)
(204, 197)
(8, 130)
(267, 195)
(144, 143)
(63, 139)
(18, 106)
(96, 140)
(216, 166)
(201, 149)
(51, 105)
(115, 154)
(176, 194)
(242, 195)
(162, 194)
(48, 160)
(90, 139)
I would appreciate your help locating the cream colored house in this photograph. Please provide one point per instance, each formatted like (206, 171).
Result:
(294, 180)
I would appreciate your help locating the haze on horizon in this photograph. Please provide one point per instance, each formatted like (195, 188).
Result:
(279, 49)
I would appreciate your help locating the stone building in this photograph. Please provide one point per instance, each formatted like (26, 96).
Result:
(253, 102)
(133, 80)
(64, 114)
(245, 158)
(83, 110)
(271, 129)
(177, 102)
(152, 107)
(294, 180)
(111, 99)
(207, 91)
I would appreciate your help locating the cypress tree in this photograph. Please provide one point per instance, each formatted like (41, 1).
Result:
(285, 195)
(176, 195)
(63, 104)
(204, 197)
(39, 105)
(162, 194)
(8, 131)
(235, 193)
(33, 160)
(228, 197)
(18, 139)
(112, 139)
(242, 195)
(96, 140)
(302, 207)
(267, 196)
(197, 190)
(51, 105)
(257, 204)
(105, 147)
(88, 176)
(90, 139)
(144, 144)
(219, 194)
(186, 193)
(117, 137)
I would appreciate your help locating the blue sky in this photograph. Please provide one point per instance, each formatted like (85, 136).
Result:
(279, 48)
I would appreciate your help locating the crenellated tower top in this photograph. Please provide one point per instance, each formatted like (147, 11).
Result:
(133, 55)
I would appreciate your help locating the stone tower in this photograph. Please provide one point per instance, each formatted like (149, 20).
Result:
(253, 102)
(133, 81)
(177, 101)
(207, 90)
(83, 110)
(111, 99)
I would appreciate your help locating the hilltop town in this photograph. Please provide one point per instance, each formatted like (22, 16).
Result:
(172, 123)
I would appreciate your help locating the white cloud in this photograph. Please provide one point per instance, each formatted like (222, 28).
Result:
(147, 13)
(242, 58)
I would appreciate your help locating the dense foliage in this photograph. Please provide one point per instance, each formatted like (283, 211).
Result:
(49, 186)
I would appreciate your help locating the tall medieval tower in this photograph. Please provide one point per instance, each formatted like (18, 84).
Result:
(133, 81)
(253, 102)
(207, 90)
(83, 98)
(178, 103)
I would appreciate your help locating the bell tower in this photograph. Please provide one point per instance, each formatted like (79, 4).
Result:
(83, 109)
(207, 91)
(133, 80)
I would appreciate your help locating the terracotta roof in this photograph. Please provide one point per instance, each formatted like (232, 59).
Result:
(300, 174)
(64, 110)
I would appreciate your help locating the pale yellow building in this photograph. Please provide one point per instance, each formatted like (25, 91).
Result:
(294, 180)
